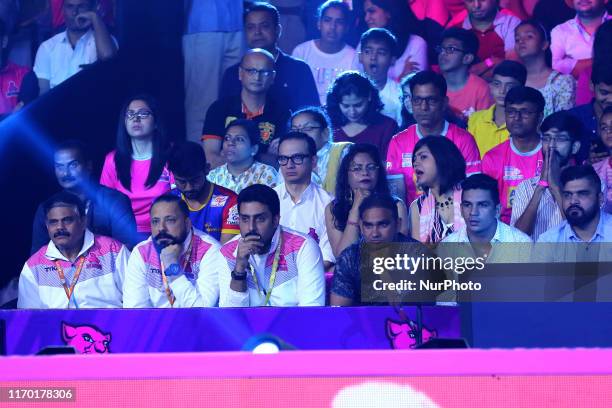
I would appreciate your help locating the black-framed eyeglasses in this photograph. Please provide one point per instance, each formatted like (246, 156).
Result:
(448, 50)
(431, 101)
(253, 72)
(515, 113)
(305, 129)
(141, 114)
(295, 159)
(358, 168)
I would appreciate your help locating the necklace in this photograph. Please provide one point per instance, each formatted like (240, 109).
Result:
(444, 204)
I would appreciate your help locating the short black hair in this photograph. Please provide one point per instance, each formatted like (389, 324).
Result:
(171, 198)
(522, 94)
(381, 35)
(379, 201)
(252, 129)
(260, 193)
(339, 4)
(572, 173)
(250, 7)
(78, 146)
(469, 41)
(601, 74)
(511, 69)
(426, 78)
(450, 163)
(564, 122)
(64, 199)
(187, 159)
(310, 143)
(482, 182)
(317, 113)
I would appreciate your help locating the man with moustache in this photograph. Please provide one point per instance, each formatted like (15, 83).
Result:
(85, 41)
(270, 265)
(537, 204)
(582, 201)
(77, 269)
(177, 266)
(108, 212)
(520, 157)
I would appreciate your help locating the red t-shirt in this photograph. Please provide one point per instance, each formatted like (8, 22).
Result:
(401, 148)
(378, 134)
(11, 78)
(509, 167)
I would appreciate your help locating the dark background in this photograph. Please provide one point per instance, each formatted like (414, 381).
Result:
(86, 107)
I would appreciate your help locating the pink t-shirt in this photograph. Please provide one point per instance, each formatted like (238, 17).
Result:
(474, 96)
(509, 167)
(401, 147)
(604, 170)
(140, 196)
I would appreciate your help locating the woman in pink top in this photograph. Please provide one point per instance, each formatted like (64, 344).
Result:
(137, 166)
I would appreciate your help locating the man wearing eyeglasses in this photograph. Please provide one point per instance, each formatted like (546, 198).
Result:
(303, 202)
(294, 84)
(429, 103)
(212, 208)
(520, 157)
(537, 205)
(254, 102)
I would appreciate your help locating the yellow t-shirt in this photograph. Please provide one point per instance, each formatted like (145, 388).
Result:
(486, 133)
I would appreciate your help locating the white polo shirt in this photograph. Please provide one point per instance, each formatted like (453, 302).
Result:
(307, 215)
(57, 61)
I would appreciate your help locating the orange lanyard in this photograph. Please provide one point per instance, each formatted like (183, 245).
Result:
(169, 294)
(272, 273)
(60, 272)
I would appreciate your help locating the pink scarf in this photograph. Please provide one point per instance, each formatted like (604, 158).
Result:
(428, 216)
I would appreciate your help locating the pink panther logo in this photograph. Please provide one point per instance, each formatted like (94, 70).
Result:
(86, 339)
(402, 335)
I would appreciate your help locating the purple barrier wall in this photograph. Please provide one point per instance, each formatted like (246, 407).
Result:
(183, 330)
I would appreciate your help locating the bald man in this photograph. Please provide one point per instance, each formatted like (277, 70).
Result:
(256, 74)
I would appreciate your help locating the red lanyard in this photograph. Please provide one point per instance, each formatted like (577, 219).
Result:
(186, 260)
(60, 272)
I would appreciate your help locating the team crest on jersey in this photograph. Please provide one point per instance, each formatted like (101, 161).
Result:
(218, 201)
(13, 89)
(267, 132)
(232, 217)
(406, 159)
(512, 173)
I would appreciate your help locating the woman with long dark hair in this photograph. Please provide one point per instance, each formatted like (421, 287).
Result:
(532, 45)
(361, 173)
(137, 166)
(354, 106)
(439, 167)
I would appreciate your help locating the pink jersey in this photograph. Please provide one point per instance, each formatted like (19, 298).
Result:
(140, 196)
(401, 147)
(509, 167)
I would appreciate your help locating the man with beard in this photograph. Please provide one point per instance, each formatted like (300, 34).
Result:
(77, 269)
(582, 200)
(537, 204)
(85, 41)
(108, 212)
(520, 157)
(270, 265)
(174, 267)
(212, 208)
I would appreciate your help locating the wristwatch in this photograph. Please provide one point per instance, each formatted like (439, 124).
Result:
(239, 276)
